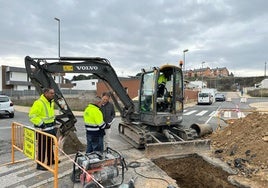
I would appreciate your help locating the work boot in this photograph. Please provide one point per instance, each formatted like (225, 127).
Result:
(40, 167)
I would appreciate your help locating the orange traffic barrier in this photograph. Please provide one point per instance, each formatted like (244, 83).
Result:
(24, 140)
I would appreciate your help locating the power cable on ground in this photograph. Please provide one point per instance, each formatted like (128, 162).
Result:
(135, 164)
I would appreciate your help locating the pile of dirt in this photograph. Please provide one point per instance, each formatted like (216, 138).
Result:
(243, 145)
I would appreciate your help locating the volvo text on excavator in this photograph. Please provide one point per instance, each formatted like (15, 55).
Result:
(153, 122)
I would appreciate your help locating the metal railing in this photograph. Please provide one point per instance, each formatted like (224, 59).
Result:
(27, 93)
(24, 140)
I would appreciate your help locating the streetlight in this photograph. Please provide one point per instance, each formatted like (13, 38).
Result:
(184, 67)
(58, 20)
(202, 73)
(184, 70)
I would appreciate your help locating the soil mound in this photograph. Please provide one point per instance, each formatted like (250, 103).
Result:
(243, 145)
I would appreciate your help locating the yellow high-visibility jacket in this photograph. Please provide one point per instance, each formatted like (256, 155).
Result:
(42, 111)
(93, 119)
(162, 79)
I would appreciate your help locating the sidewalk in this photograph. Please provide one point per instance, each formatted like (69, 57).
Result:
(260, 106)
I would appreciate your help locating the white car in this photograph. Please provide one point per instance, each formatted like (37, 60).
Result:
(6, 106)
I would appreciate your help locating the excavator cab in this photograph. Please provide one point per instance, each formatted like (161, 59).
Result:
(161, 96)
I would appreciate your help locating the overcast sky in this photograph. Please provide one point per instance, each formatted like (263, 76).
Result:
(140, 33)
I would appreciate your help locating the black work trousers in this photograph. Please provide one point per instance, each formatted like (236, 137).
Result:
(45, 147)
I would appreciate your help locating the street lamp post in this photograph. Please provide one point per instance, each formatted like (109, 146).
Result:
(184, 70)
(58, 20)
(202, 73)
(184, 67)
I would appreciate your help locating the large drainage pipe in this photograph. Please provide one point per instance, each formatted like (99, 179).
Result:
(202, 129)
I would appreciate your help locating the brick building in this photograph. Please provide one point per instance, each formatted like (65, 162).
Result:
(131, 85)
(207, 72)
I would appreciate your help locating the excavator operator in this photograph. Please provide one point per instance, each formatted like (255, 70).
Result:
(162, 80)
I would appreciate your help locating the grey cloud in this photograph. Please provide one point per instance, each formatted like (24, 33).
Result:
(139, 34)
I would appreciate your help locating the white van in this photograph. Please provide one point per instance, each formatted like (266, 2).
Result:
(212, 92)
(204, 98)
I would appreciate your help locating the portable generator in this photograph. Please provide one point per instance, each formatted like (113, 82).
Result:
(96, 168)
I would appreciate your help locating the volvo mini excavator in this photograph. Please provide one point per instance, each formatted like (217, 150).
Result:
(153, 123)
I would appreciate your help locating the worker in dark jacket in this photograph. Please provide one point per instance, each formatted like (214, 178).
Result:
(95, 125)
(108, 112)
(42, 116)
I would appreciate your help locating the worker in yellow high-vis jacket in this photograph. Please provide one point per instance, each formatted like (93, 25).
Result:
(162, 80)
(42, 116)
(95, 125)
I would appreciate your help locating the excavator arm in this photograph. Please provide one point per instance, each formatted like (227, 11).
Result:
(41, 71)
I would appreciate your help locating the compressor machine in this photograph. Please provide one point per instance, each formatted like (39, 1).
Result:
(92, 169)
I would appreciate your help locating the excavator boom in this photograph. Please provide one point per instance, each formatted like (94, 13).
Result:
(40, 72)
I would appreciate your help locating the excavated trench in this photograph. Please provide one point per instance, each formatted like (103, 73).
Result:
(194, 171)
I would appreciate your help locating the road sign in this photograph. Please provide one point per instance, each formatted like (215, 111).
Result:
(29, 143)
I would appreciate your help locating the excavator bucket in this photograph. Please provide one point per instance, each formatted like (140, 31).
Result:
(176, 148)
(69, 143)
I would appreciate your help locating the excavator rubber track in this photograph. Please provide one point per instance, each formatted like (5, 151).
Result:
(135, 135)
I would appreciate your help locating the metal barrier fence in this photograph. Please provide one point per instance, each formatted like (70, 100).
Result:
(24, 140)
(25, 93)
(240, 114)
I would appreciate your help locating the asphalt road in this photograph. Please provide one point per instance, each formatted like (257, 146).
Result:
(25, 174)
(231, 108)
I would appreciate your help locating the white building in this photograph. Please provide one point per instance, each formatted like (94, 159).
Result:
(85, 84)
(14, 78)
(196, 84)
(264, 83)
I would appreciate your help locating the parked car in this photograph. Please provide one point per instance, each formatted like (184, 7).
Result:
(220, 97)
(6, 106)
